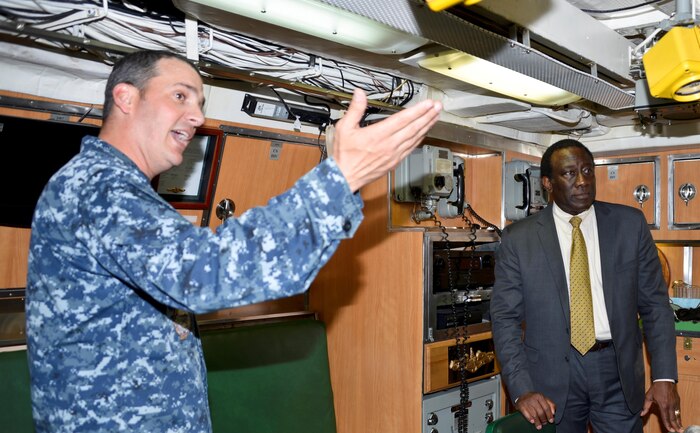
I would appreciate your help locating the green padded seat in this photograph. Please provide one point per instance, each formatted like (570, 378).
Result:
(15, 402)
(516, 423)
(265, 378)
(270, 378)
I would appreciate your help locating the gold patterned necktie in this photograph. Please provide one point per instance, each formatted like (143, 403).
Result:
(582, 327)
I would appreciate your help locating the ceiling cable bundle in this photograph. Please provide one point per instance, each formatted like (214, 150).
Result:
(125, 24)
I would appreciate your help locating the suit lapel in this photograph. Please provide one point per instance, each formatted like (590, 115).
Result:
(549, 240)
(606, 241)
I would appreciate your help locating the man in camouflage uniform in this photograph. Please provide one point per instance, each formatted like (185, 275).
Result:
(111, 263)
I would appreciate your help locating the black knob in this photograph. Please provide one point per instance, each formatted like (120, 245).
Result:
(432, 419)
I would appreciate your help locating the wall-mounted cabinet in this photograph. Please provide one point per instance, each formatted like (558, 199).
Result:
(620, 180)
(683, 181)
(631, 181)
(674, 225)
(257, 165)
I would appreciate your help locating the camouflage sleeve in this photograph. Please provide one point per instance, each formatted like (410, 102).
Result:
(269, 252)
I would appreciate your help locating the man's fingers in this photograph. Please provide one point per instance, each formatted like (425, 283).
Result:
(358, 105)
(410, 130)
(552, 410)
(416, 117)
(363, 154)
(536, 408)
(672, 420)
(665, 395)
(414, 137)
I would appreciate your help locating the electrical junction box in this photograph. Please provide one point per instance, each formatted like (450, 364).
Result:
(524, 194)
(277, 110)
(426, 172)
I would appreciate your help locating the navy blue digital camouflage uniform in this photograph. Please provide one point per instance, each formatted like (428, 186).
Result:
(112, 268)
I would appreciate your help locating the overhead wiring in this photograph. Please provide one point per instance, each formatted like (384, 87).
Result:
(308, 101)
(124, 23)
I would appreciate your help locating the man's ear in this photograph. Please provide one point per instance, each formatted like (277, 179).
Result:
(124, 96)
(546, 183)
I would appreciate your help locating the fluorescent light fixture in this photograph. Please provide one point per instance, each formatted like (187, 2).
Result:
(482, 73)
(323, 21)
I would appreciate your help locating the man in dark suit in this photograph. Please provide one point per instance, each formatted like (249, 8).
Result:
(602, 384)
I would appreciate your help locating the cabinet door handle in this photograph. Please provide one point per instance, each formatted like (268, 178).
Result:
(687, 192)
(641, 194)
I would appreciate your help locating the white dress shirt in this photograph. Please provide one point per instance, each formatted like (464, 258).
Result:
(589, 228)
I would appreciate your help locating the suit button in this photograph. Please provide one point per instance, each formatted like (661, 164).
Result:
(566, 358)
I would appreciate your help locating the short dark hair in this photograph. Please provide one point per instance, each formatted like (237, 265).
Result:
(546, 162)
(137, 69)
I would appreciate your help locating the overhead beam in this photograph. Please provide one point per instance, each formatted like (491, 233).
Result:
(565, 28)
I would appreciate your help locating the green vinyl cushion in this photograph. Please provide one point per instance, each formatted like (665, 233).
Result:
(262, 378)
(15, 402)
(516, 423)
(270, 378)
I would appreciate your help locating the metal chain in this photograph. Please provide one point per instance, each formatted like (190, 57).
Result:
(461, 345)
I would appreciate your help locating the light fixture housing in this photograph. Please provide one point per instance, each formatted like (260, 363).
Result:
(672, 65)
(324, 21)
(487, 75)
(439, 5)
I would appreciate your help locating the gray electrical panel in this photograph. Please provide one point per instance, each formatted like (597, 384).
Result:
(440, 410)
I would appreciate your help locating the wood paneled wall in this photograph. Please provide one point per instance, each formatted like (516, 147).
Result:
(370, 295)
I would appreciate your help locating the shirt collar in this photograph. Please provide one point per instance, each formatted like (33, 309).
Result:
(563, 216)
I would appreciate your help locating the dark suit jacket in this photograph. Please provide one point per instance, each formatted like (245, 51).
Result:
(531, 290)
